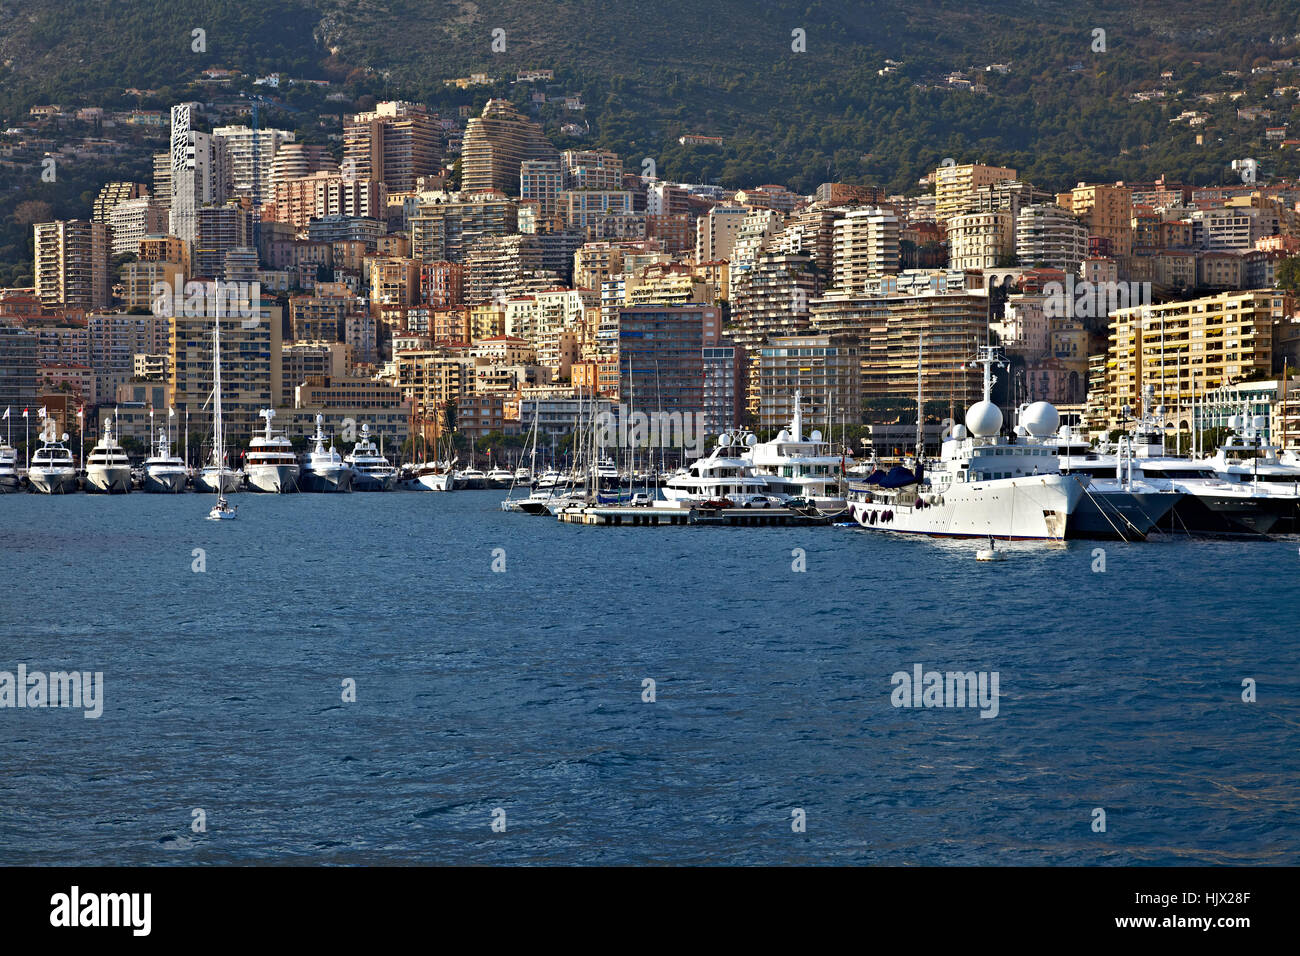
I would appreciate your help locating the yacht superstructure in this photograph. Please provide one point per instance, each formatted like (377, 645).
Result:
(983, 484)
(108, 469)
(271, 465)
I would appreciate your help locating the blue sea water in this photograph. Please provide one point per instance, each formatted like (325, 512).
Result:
(522, 690)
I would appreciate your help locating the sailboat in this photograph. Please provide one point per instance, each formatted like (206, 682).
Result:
(222, 510)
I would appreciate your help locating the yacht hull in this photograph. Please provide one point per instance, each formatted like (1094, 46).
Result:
(326, 480)
(205, 482)
(363, 481)
(437, 482)
(273, 479)
(164, 482)
(108, 481)
(1033, 508)
(1119, 515)
(1214, 514)
(52, 482)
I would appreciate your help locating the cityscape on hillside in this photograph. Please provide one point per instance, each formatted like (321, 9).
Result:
(462, 269)
(782, 434)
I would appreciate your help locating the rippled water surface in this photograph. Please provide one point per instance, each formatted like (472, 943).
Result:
(522, 690)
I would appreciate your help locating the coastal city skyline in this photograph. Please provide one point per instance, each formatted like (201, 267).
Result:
(587, 435)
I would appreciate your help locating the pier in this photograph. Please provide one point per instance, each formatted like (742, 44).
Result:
(650, 517)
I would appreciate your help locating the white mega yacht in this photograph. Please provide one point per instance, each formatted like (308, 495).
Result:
(727, 470)
(108, 469)
(371, 470)
(324, 469)
(164, 473)
(795, 466)
(8, 469)
(1210, 504)
(271, 465)
(982, 486)
(53, 470)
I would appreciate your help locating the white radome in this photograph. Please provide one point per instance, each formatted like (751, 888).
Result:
(1041, 418)
(984, 419)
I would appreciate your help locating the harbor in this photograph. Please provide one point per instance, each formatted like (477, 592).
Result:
(1034, 481)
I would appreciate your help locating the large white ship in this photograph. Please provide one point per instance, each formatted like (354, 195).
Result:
(795, 466)
(371, 470)
(108, 469)
(8, 469)
(164, 473)
(982, 486)
(271, 465)
(727, 470)
(323, 469)
(52, 470)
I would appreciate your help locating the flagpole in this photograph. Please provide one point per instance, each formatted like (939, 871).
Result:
(27, 438)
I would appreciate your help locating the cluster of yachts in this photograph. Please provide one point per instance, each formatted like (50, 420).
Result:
(271, 466)
(1045, 482)
(1042, 481)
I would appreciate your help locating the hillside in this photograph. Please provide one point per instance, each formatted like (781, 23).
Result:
(646, 74)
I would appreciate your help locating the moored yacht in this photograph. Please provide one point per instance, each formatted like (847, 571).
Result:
(324, 469)
(471, 478)
(727, 470)
(52, 470)
(108, 469)
(500, 477)
(205, 480)
(1115, 505)
(8, 469)
(271, 465)
(983, 485)
(795, 466)
(1210, 505)
(371, 470)
(164, 473)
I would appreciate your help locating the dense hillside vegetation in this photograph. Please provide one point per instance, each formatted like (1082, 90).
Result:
(646, 73)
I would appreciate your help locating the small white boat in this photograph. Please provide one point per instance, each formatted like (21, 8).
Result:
(991, 553)
(222, 510)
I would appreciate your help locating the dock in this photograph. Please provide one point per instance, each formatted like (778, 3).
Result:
(652, 517)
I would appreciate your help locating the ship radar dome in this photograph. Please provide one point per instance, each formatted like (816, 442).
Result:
(783, 436)
(984, 419)
(816, 435)
(1041, 418)
(959, 432)
(751, 440)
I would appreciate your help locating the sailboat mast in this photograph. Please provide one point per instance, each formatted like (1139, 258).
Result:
(920, 433)
(220, 451)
